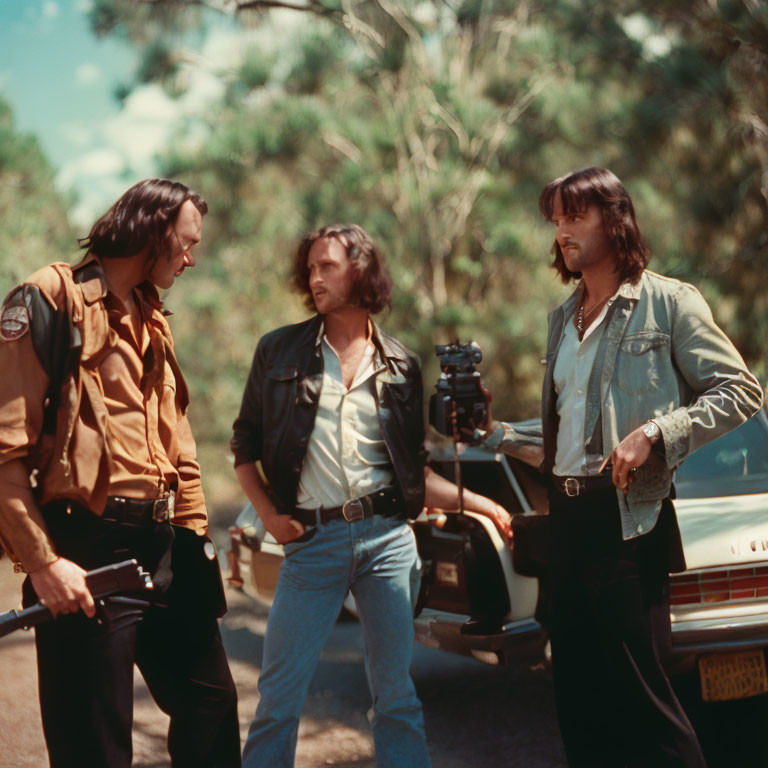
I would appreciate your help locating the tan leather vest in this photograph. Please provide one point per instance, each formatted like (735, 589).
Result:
(75, 461)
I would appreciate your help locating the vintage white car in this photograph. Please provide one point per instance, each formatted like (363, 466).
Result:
(473, 601)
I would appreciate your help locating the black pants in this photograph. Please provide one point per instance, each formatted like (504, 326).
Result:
(610, 630)
(85, 668)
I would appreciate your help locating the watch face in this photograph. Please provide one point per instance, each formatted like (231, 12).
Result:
(652, 432)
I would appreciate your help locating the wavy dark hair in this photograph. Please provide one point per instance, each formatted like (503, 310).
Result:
(140, 219)
(600, 187)
(372, 286)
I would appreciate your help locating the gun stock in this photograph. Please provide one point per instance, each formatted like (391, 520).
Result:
(127, 576)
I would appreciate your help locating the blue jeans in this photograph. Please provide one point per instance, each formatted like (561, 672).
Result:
(378, 561)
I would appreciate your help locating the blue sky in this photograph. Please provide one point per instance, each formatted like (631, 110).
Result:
(60, 80)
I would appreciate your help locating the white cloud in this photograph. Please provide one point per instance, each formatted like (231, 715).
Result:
(130, 142)
(143, 126)
(87, 73)
(50, 10)
(84, 6)
(78, 134)
(124, 149)
(204, 88)
(96, 163)
(225, 46)
(95, 199)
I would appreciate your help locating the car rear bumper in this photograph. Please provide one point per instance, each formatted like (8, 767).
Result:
(717, 635)
(522, 641)
(525, 641)
(716, 629)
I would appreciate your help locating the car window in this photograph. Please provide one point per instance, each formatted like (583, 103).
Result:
(736, 463)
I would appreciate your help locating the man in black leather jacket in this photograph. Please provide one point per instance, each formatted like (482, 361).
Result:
(333, 411)
(287, 375)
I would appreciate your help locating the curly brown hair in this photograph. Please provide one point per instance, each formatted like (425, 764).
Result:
(140, 218)
(372, 285)
(602, 188)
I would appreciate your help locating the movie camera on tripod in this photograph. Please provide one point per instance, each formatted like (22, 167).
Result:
(459, 384)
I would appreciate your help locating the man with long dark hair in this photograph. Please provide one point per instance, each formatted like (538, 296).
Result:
(93, 407)
(638, 376)
(333, 411)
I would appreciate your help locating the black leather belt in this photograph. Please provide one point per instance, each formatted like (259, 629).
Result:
(384, 502)
(578, 486)
(120, 509)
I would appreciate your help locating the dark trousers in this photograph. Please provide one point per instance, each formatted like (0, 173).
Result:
(85, 668)
(610, 630)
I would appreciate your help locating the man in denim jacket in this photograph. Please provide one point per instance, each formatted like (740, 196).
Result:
(638, 377)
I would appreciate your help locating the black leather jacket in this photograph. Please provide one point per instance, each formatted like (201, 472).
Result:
(280, 403)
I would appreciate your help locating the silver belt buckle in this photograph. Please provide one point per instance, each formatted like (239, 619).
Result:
(571, 486)
(163, 509)
(352, 510)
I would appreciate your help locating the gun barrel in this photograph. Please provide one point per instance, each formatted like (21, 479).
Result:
(127, 576)
(29, 617)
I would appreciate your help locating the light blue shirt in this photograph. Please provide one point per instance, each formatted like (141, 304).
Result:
(573, 368)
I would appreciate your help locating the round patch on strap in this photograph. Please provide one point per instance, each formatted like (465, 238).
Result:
(14, 322)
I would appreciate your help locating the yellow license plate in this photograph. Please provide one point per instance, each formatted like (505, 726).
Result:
(726, 676)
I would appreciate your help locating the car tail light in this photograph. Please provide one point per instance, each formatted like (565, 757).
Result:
(742, 583)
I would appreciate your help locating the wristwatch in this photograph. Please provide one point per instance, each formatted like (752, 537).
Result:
(652, 431)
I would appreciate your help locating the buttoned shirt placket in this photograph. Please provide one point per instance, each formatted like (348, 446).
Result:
(346, 418)
(149, 395)
(573, 369)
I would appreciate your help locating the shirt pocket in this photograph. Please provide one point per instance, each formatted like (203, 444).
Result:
(644, 363)
(279, 398)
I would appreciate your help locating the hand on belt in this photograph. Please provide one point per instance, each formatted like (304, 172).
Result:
(578, 486)
(127, 511)
(385, 502)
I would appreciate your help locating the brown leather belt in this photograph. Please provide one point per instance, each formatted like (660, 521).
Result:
(385, 502)
(578, 486)
(120, 509)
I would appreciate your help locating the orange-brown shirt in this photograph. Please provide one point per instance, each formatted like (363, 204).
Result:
(121, 426)
(141, 469)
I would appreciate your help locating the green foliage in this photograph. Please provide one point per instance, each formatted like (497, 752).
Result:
(435, 126)
(254, 71)
(158, 63)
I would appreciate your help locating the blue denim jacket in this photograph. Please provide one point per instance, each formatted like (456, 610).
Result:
(661, 357)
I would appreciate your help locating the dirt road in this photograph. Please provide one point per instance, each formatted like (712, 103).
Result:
(476, 715)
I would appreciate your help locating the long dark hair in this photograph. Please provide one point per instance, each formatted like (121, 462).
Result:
(602, 188)
(372, 285)
(140, 219)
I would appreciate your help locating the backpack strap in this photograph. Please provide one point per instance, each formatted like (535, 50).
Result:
(57, 344)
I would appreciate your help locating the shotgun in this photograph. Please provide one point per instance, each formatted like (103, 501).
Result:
(104, 583)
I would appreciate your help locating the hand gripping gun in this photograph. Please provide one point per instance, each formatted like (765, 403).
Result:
(105, 585)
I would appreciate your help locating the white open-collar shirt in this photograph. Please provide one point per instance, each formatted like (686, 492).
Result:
(346, 457)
